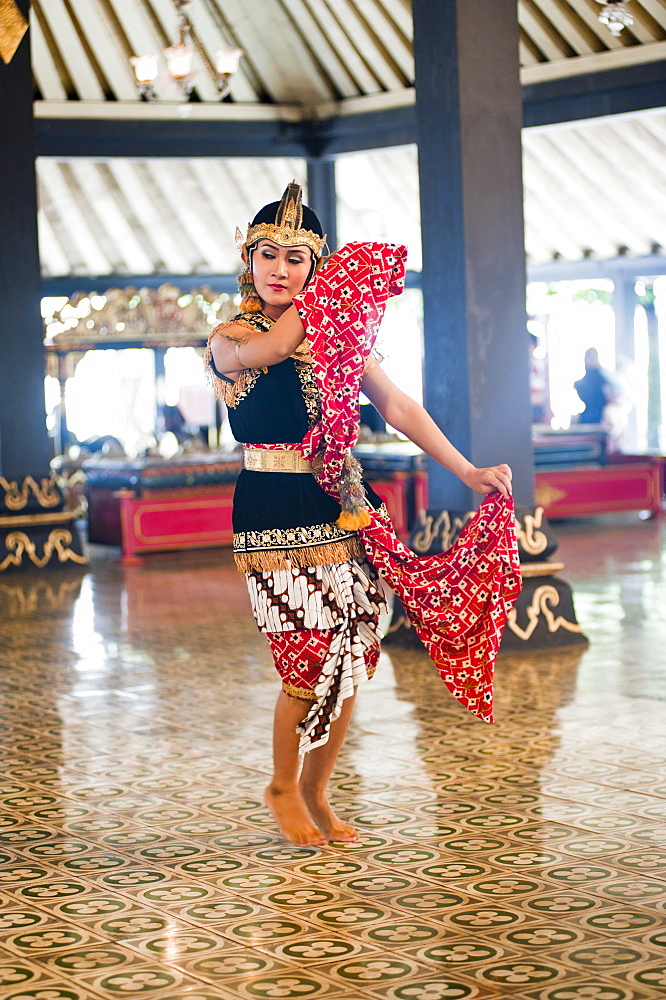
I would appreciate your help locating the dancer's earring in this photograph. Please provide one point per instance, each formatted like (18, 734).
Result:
(250, 301)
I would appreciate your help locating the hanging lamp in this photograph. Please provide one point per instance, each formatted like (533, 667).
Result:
(179, 58)
(615, 15)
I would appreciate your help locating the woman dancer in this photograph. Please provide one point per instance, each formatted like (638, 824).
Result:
(313, 590)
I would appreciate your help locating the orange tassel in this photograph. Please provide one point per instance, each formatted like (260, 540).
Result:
(352, 522)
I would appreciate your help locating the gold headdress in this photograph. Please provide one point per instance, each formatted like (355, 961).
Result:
(283, 222)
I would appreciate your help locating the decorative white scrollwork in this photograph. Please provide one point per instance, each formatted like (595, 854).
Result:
(442, 527)
(542, 599)
(529, 535)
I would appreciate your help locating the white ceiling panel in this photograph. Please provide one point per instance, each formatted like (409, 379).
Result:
(304, 53)
(155, 217)
(592, 189)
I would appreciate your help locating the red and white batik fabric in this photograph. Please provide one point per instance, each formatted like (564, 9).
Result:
(322, 624)
(341, 310)
(457, 602)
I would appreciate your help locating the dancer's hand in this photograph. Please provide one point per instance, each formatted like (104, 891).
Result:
(496, 479)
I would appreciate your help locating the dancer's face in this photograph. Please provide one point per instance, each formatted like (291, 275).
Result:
(279, 273)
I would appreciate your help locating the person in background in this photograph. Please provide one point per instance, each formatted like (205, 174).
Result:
(594, 389)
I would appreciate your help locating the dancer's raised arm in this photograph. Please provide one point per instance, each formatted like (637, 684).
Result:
(236, 347)
(411, 419)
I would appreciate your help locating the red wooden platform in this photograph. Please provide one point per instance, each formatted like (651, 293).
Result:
(160, 523)
(172, 520)
(628, 482)
(164, 521)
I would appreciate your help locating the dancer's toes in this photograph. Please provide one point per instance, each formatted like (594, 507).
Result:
(327, 821)
(342, 833)
(292, 817)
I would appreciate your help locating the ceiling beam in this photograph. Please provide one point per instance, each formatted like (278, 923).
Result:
(71, 284)
(572, 270)
(136, 139)
(598, 62)
(615, 92)
(220, 132)
(208, 111)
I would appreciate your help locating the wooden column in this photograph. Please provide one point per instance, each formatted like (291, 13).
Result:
(469, 117)
(24, 444)
(35, 529)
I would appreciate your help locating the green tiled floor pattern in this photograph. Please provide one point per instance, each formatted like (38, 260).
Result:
(524, 860)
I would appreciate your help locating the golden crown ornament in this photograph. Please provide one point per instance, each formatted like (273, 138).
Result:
(287, 229)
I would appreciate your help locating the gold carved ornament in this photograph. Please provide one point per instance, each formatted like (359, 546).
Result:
(13, 27)
(282, 235)
(19, 544)
(443, 527)
(286, 229)
(46, 492)
(547, 494)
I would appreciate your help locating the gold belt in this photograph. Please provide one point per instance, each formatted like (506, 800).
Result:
(275, 460)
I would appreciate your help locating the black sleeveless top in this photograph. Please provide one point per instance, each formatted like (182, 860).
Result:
(280, 518)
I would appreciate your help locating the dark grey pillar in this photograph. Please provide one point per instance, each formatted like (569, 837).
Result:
(24, 444)
(35, 530)
(321, 196)
(469, 117)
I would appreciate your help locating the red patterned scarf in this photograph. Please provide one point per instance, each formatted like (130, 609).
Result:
(458, 602)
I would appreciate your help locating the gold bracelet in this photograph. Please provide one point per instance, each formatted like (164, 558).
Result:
(371, 364)
(238, 347)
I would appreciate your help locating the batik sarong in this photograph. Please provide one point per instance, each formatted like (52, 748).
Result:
(322, 624)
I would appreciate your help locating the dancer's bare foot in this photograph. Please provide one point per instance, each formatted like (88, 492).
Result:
(327, 821)
(292, 817)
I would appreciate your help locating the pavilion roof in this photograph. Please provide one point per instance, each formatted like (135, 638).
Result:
(593, 188)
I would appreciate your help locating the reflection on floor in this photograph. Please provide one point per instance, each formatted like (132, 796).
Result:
(525, 859)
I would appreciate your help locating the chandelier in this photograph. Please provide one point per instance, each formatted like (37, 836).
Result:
(615, 15)
(179, 59)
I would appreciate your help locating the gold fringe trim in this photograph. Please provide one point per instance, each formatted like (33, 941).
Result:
(240, 321)
(313, 555)
(301, 694)
(233, 392)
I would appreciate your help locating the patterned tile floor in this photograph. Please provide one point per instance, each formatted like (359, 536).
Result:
(525, 859)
